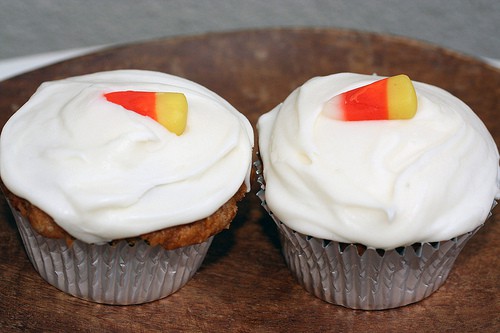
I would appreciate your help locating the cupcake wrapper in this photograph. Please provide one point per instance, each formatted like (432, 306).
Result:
(118, 274)
(374, 280)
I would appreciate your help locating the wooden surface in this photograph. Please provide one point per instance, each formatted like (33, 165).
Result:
(244, 285)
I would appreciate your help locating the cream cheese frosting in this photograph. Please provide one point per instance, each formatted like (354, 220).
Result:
(383, 183)
(104, 172)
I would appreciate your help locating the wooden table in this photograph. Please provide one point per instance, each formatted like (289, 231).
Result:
(244, 285)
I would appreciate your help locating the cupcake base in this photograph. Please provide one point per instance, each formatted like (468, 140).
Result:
(121, 273)
(372, 280)
(364, 278)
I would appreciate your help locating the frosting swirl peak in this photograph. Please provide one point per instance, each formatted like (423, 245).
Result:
(103, 172)
(384, 183)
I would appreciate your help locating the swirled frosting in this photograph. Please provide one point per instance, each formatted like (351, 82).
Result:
(104, 172)
(383, 184)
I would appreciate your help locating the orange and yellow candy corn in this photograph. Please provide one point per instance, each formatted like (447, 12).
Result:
(386, 99)
(167, 108)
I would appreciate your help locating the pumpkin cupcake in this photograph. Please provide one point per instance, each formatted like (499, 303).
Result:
(119, 180)
(375, 184)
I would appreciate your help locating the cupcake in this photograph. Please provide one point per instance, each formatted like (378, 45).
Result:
(118, 181)
(375, 185)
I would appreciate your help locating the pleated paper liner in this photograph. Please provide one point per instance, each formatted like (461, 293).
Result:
(373, 280)
(119, 273)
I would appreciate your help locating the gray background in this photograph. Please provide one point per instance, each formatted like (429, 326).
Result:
(39, 26)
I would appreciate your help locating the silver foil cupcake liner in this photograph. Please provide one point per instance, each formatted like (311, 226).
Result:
(119, 274)
(366, 278)
(373, 280)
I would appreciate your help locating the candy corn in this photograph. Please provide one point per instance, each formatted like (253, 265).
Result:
(386, 99)
(167, 108)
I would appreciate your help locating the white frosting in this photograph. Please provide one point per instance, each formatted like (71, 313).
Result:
(383, 184)
(103, 172)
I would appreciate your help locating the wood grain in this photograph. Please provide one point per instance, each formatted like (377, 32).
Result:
(244, 285)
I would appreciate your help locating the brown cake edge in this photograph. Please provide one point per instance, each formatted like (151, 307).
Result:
(169, 238)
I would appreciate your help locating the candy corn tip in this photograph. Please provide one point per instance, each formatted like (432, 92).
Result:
(333, 108)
